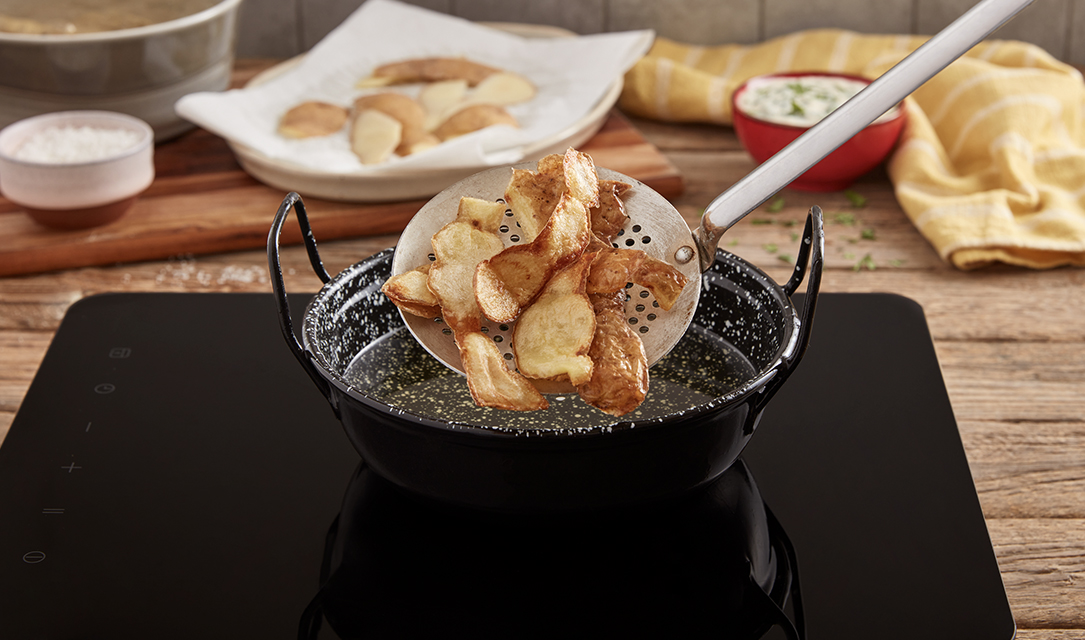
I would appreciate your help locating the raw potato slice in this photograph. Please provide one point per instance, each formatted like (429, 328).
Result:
(502, 89)
(458, 248)
(553, 335)
(491, 382)
(410, 292)
(506, 283)
(619, 380)
(313, 119)
(473, 118)
(429, 70)
(440, 99)
(403, 108)
(374, 136)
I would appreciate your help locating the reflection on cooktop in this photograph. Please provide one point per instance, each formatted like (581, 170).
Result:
(712, 564)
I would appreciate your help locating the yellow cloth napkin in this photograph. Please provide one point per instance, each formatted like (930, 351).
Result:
(991, 165)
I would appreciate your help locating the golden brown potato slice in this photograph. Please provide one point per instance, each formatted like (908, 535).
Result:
(374, 136)
(619, 380)
(429, 70)
(313, 119)
(491, 382)
(609, 217)
(506, 283)
(473, 118)
(553, 334)
(458, 248)
(613, 269)
(580, 178)
(616, 267)
(403, 108)
(410, 291)
(532, 196)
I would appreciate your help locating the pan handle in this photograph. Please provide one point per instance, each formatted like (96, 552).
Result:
(293, 201)
(812, 249)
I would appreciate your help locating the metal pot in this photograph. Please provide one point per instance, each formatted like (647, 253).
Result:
(691, 428)
(140, 71)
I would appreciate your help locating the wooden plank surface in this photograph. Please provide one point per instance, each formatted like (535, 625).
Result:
(1010, 342)
(202, 202)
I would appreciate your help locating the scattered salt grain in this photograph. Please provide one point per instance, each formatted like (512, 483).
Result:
(60, 145)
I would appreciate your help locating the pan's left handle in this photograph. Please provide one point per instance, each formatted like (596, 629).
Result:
(293, 201)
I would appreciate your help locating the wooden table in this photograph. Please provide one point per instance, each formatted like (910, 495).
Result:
(1011, 343)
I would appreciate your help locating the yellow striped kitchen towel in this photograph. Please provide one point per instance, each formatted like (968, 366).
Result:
(991, 165)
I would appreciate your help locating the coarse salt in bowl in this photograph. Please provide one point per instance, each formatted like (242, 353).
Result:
(76, 169)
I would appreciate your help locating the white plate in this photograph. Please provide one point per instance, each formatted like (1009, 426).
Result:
(409, 184)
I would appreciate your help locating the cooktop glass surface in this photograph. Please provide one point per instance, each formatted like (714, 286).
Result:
(173, 473)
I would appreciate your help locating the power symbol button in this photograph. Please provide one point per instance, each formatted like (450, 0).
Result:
(105, 388)
(33, 557)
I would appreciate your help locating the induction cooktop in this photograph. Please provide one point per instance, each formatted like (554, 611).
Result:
(173, 473)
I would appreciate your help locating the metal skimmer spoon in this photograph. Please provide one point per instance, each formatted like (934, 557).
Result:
(656, 227)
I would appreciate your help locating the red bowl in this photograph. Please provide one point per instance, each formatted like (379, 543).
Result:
(866, 150)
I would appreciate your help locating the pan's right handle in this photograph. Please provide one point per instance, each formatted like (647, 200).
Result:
(293, 201)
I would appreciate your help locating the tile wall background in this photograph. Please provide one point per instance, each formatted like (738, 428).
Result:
(283, 28)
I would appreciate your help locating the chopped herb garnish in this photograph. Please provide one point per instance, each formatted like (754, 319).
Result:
(760, 221)
(797, 87)
(790, 223)
(794, 236)
(783, 257)
(868, 234)
(796, 110)
(770, 247)
(849, 256)
(844, 218)
(776, 206)
(896, 263)
(866, 262)
(734, 243)
(857, 199)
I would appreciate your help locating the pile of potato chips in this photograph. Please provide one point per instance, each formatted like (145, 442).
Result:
(564, 287)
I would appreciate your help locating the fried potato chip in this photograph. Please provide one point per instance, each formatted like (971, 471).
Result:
(608, 218)
(532, 196)
(581, 180)
(458, 248)
(313, 119)
(491, 382)
(428, 70)
(664, 281)
(410, 114)
(554, 333)
(619, 380)
(473, 118)
(507, 282)
(374, 136)
(616, 267)
(410, 292)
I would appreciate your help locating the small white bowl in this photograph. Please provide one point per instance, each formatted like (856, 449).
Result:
(80, 194)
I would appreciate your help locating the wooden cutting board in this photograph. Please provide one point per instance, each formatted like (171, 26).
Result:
(203, 202)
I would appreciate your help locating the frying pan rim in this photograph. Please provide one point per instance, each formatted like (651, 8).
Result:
(461, 430)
